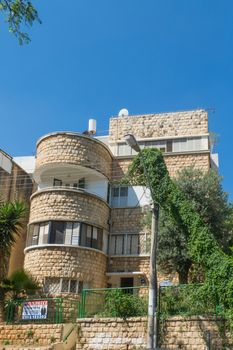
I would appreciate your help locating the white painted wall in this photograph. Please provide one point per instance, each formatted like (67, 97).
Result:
(27, 163)
(137, 196)
(5, 163)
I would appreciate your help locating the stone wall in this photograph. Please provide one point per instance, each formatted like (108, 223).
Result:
(67, 204)
(73, 148)
(191, 333)
(84, 264)
(137, 263)
(174, 163)
(28, 334)
(160, 125)
(177, 333)
(128, 220)
(108, 333)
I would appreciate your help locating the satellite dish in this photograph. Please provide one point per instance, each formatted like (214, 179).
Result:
(123, 113)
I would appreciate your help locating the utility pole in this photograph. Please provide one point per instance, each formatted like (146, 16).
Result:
(152, 328)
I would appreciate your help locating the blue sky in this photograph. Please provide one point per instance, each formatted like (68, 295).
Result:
(90, 58)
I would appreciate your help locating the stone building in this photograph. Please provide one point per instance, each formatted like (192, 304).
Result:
(85, 228)
(15, 185)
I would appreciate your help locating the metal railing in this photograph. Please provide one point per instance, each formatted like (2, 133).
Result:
(43, 310)
(110, 302)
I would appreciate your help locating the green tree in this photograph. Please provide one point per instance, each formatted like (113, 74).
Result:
(19, 285)
(18, 14)
(203, 248)
(205, 193)
(11, 215)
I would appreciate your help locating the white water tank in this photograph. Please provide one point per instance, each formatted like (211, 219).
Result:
(92, 126)
(123, 113)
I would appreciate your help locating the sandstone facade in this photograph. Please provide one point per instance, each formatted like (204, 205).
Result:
(160, 125)
(68, 204)
(84, 264)
(73, 149)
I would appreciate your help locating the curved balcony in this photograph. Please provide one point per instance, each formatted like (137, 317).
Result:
(58, 270)
(68, 204)
(61, 149)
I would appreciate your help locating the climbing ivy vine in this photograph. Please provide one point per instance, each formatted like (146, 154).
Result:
(202, 246)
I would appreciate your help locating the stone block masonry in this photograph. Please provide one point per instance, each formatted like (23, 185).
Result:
(175, 333)
(68, 205)
(30, 334)
(111, 333)
(84, 264)
(73, 148)
(174, 162)
(160, 125)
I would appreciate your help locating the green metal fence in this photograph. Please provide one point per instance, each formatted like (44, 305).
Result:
(112, 302)
(43, 310)
(186, 300)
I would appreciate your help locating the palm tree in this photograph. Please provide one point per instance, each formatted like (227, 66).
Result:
(19, 285)
(11, 215)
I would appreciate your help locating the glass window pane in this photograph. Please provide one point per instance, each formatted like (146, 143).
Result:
(83, 235)
(115, 191)
(75, 233)
(65, 286)
(57, 232)
(112, 245)
(68, 232)
(35, 234)
(81, 183)
(29, 235)
(100, 239)
(57, 182)
(73, 286)
(128, 240)
(169, 146)
(134, 244)
(52, 285)
(46, 232)
(43, 233)
(94, 238)
(89, 234)
(119, 244)
(124, 191)
(80, 286)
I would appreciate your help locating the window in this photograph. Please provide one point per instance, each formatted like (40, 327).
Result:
(57, 182)
(128, 244)
(81, 183)
(56, 285)
(43, 233)
(119, 196)
(69, 233)
(91, 237)
(57, 232)
(72, 233)
(184, 144)
(52, 285)
(38, 234)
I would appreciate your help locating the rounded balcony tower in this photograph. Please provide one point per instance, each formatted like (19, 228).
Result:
(69, 214)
